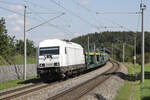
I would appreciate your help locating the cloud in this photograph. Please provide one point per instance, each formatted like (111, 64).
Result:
(15, 22)
(20, 22)
(77, 34)
(94, 30)
(16, 28)
(84, 2)
(16, 7)
(16, 16)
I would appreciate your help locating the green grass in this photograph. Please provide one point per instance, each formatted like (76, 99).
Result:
(124, 92)
(141, 90)
(18, 59)
(2, 61)
(14, 83)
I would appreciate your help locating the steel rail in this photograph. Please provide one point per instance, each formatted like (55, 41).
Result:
(12, 94)
(78, 91)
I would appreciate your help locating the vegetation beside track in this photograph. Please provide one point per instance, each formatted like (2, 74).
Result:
(18, 82)
(141, 91)
(17, 60)
(2, 61)
(12, 49)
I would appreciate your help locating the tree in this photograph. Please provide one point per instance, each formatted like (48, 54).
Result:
(30, 47)
(6, 42)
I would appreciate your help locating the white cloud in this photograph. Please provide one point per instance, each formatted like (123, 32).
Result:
(94, 30)
(16, 16)
(16, 7)
(15, 21)
(20, 22)
(17, 28)
(84, 2)
(77, 34)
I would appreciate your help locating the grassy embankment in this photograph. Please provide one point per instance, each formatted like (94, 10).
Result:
(18, 59)
(18, 82)
(141, 90)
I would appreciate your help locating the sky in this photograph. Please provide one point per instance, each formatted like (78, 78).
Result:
(72, 18)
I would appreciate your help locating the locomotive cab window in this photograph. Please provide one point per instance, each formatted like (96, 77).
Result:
(49, 51)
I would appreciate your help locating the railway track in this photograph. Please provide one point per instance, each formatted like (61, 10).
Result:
(70, 94)
(12, 94)
(78, 91)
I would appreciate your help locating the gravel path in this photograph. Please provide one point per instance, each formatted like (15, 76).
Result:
(50, 91)
(109, 89)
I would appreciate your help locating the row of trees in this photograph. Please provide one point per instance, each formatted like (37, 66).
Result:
(105, 39)
(10, 46)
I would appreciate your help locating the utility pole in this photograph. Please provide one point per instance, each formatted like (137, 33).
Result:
(104, 51)
(112, 50)
(94, 48)
(25, 49)
(88, 44)
(123, 53)
(95, 53)
(142, 6)
(134, 50)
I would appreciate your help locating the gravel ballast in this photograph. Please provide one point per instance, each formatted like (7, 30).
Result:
(57, 88)
(109, 89)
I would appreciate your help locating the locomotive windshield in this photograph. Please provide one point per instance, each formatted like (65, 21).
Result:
(49, 50)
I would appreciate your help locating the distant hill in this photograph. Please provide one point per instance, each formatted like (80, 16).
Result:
(105, 39)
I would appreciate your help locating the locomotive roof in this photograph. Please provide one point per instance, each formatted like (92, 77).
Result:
(57, 42)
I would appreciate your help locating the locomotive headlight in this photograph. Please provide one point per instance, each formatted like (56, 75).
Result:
(42, 65)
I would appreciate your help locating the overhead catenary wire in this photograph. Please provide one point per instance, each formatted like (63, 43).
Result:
(9, 3)
(52, 25)
(44, 22)
(41, 18)
(74, 14)
(89, 10)
(12, 11)
(117, 12)
(102, 12)
(36, 5)
(84, 7)
(42, 13)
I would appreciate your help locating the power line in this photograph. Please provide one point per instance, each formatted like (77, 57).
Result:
(95, 12)
(11, 11)
(37, 14)
(74, 14)
(117, 12)
(52, 25)
(36, 5)
(42, 12)
(44, 22)
(118, 24)
(89, 10)
(9, 3)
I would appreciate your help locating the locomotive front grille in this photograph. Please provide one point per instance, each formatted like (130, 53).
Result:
(50, 65)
